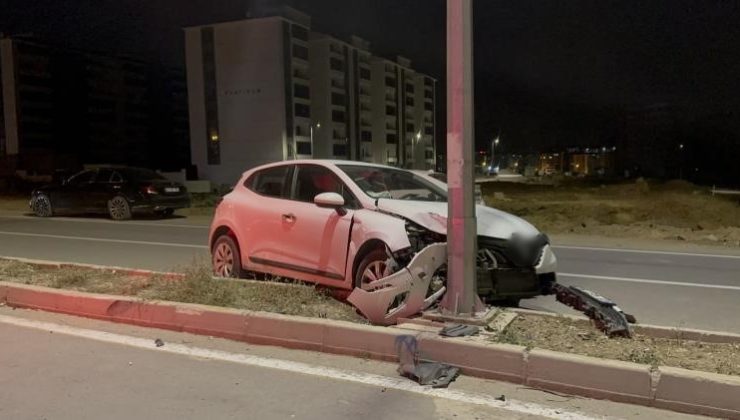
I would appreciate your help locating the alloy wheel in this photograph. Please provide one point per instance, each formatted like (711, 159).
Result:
(42, 206)
(375, 271)
(119, 208)
(223, 260)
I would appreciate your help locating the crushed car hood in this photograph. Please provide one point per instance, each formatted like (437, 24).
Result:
(433, 216)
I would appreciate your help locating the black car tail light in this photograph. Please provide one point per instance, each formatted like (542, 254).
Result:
(149, 189)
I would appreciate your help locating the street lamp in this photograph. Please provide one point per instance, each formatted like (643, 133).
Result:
(494, 143)
(310, 129)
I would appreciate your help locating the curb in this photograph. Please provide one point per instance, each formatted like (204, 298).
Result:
(671, 388)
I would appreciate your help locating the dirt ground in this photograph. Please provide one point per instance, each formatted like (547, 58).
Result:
(579, 337)
(197, 287)
(674, 210)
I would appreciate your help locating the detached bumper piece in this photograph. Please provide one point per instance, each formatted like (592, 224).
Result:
(605, 314)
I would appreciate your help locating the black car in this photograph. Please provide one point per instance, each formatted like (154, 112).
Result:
(117, 191)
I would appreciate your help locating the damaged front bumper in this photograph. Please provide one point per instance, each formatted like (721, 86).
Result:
(405, 292)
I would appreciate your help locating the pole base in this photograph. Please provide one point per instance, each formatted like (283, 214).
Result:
(480, 318)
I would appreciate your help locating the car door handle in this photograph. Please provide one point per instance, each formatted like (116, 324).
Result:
(290, 217)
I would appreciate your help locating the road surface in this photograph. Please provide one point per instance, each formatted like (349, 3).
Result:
(674, 289)
(60, 367)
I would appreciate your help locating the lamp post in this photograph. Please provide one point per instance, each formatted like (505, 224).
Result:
(494, 143)
(310, 130)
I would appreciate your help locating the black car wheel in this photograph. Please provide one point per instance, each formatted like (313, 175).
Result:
(42, 206)
(225, 257)
(119, 208)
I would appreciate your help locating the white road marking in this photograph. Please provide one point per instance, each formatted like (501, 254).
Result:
(301, 368)
(119, 223)
(85, 238)
(639, 251)
(649, 281)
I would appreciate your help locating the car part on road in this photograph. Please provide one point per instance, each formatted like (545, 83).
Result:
(438, 375)
(605, 314)
(458, 330)
(403, 293)
(119, 208)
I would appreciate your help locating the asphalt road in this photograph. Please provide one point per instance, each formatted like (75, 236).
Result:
(60, 367)
(675, 289)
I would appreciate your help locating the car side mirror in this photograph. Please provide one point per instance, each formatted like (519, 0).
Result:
(330, 200)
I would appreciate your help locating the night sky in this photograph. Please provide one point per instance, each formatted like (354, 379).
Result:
(548, 73)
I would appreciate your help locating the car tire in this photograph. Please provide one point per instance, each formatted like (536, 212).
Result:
(225, 258)
(119, 208)
(42, 206)
(376, 263)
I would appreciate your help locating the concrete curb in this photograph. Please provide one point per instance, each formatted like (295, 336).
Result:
(675, 389)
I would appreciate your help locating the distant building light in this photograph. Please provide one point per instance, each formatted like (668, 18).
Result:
(214, 137)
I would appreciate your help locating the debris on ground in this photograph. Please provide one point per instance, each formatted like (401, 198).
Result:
(605, 314)
(436, 375)
(459, 330)
(158, 342)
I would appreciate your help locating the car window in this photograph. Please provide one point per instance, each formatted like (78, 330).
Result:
(397, 184)
(271, 182)
(103, 176)
(84, 177)
(141, 174)
(116, 178)
(312, 180)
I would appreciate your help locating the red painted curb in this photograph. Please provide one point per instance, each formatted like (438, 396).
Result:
(694, 392)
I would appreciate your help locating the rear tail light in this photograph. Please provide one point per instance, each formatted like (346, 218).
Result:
(149, 189)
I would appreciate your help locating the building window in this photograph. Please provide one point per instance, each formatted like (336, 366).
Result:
(410, 128)
(301, 91)
(340, 150)
(390, 81)
(428, 106)
(391, 138)
(410, 88)
(366, 135)
(303, 147)
(299, 51)
(429, 154)
(409, 101)
(337, 99)
(428, 81)
(213, 142)
(337, 116)
(364, 73)
(428, 94)
(390, 110)
(302, 110)
(336, 64)
(429, 130)
(299, 32)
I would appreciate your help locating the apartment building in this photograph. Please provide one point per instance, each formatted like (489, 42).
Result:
(269, 88)
(64, 108)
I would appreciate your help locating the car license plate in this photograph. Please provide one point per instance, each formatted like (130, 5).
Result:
(171, 189)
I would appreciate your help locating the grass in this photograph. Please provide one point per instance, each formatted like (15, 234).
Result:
(579, 337)
(674, 210)
(197, 286)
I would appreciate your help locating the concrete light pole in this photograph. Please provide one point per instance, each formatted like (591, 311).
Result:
(461, 297)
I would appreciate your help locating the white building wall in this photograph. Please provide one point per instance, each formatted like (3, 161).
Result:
(251, 97)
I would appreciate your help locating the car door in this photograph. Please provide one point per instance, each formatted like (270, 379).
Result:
(315, 239)
(73, 194)
(258, 217)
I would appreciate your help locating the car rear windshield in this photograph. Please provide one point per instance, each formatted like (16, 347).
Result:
(140, 174)
(397, 184)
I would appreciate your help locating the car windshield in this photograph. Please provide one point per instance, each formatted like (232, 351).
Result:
(397, 184)
(140, 174)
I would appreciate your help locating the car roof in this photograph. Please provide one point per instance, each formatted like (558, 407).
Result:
(325, 162)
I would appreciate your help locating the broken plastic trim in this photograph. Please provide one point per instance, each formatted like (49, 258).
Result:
(412, 281)
(605, 314)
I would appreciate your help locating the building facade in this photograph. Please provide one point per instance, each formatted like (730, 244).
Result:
(62, 109)
(268, 88)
